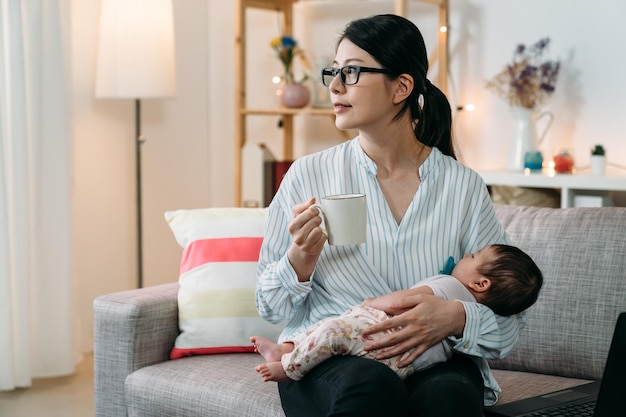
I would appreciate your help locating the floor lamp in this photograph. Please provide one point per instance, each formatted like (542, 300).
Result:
(136, 60)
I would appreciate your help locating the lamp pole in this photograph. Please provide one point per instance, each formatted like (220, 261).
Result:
(139, 139)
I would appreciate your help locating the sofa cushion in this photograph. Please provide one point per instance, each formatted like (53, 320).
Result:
(217, 385)
(581, 252)
(216, 300)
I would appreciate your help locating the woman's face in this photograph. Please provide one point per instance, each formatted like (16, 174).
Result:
(366, 104)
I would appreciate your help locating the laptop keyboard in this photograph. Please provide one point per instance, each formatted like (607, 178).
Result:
(568, 410)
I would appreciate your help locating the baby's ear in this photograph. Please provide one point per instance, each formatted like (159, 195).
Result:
(482, 284)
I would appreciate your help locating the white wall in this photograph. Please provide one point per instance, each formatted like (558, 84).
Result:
(588, 102)
(188, 158)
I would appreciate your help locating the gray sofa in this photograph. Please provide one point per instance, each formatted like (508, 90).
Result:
(581, 251)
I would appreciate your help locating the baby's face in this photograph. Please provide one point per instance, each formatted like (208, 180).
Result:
(466, 270)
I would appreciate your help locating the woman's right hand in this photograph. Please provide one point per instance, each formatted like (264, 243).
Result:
(307, 239)
(426, 320)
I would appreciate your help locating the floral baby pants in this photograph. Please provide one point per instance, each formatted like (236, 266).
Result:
(337, 336)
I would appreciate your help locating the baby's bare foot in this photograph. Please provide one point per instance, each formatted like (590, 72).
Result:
(272, 371)
(270, 351)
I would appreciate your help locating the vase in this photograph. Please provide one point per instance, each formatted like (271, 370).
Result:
(295, 96)
(598, 164)
(525, 137)
(563, 162)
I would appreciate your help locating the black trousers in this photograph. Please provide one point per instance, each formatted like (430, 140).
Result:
(358, 387)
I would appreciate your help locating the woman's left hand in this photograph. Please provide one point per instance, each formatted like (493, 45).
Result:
(426, 321)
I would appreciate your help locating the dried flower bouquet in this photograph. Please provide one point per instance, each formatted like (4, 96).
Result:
(528, 81)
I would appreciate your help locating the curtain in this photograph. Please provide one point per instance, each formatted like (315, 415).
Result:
(36, 300)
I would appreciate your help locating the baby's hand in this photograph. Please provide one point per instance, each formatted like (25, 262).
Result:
(373, 302)
(393, 303)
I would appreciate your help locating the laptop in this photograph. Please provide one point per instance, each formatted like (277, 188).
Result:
(604, 398)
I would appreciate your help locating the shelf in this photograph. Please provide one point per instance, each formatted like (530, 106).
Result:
(569, 184)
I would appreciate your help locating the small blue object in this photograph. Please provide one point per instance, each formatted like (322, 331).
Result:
(447, 270)
(533, 160)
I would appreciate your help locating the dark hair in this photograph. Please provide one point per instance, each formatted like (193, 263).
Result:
(515, 281)
(397, 44)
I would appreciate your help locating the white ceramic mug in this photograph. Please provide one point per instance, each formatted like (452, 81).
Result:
(344, 218)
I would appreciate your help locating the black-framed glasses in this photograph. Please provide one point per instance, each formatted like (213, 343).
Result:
(349, 74)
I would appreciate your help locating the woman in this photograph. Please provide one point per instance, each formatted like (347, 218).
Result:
(423, 207)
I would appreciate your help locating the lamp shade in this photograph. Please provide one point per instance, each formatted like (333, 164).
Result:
(136, 54)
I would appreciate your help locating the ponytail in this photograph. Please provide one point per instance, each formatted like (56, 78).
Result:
(434, 126)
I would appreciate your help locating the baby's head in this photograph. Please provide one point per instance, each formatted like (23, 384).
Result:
(502, 277)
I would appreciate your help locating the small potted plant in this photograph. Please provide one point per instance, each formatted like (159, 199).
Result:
(598, 160)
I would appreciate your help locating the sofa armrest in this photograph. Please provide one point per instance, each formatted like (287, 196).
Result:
(132, 329)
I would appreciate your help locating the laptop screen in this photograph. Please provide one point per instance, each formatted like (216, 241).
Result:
(611, 400)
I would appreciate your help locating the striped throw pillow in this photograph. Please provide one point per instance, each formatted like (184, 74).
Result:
(216, 299)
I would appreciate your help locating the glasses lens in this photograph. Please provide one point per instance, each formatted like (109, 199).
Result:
(350, 74)
(327, 75)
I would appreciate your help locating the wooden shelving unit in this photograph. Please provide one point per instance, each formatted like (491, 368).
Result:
(285, 9)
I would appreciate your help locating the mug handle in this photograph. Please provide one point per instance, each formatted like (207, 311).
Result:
(323, 216)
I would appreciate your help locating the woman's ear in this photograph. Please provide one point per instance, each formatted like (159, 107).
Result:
(404, 88)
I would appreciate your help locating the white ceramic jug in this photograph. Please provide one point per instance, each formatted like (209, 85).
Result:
(525, 136)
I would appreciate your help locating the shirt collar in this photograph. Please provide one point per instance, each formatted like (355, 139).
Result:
(362, 158)
(370, 166)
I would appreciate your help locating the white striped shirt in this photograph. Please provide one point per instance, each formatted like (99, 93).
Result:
(451, 214)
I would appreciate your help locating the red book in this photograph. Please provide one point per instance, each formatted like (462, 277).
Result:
(280, 169)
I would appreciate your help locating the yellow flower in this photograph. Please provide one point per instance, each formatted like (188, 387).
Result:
(275, 43)
(287, 49)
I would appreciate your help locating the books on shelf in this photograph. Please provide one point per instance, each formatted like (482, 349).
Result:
(261, 175)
